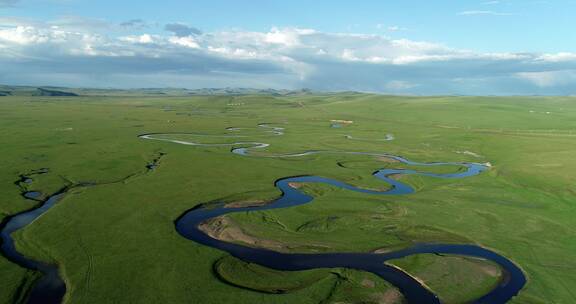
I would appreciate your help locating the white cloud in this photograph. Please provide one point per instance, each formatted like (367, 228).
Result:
(285, 38)
(284, 57)
(22, 35)
(558, 57)
(143, 39)
(348, 54)
(185, 41)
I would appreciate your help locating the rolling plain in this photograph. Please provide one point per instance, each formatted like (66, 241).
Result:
(116, 242)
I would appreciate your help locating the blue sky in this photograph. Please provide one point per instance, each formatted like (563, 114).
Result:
(409, 47)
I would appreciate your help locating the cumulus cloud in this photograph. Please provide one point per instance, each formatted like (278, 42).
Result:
(558, 57)
(290, 58)
(182, 30)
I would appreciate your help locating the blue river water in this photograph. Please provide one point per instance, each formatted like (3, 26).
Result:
(49, 288)
(187, 225)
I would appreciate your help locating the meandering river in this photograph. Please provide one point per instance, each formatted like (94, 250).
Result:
(50, 287)
(513, 279)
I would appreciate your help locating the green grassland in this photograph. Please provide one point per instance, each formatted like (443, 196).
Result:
(116, 242)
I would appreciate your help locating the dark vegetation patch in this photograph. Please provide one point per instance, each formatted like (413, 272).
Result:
(47, 92)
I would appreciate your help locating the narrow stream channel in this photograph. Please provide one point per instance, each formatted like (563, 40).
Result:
(49, 288)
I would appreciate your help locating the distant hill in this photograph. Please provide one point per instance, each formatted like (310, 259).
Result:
(35, 91)
(46, 92)
(247, 91)
(6, 90)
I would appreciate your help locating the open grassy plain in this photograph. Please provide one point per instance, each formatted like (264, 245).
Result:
(116, 243)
